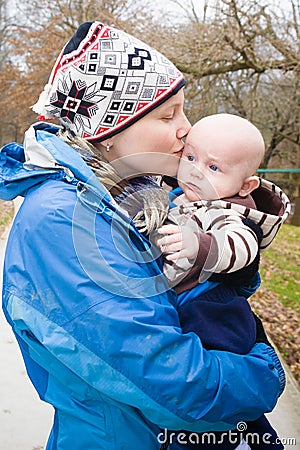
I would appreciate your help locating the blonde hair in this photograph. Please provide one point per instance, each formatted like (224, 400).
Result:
(146, 203)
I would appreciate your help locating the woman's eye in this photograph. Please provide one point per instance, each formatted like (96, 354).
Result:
(190, 158)
(213, 167)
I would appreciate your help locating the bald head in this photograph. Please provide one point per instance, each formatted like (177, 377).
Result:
(221, 155)
(238, 140)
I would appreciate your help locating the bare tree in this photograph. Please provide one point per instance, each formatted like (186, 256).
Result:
(244, 58)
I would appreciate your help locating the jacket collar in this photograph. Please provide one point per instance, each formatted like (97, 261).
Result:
(43, 155)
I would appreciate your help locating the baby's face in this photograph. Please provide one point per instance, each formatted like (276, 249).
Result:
(211, 166)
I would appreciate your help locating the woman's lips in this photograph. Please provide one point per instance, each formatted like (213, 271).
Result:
(178, 152)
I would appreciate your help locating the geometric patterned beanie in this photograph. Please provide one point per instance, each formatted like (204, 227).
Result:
(105, 80)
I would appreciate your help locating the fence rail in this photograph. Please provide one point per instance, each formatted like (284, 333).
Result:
(278, 170)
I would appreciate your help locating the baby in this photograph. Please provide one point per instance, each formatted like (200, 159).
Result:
(221, 219)
(220, 157)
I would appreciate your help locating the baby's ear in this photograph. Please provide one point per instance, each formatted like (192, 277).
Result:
(249, 185)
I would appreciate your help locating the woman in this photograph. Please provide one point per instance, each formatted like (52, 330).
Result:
(83, 290)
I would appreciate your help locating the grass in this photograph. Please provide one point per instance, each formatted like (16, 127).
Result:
(280, 266)
(277, 300)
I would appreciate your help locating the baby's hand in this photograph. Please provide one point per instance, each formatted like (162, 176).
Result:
(177, 242)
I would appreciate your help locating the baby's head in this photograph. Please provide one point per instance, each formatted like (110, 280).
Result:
(221, 155)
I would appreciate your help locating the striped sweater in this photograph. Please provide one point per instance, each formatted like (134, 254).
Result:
(226, 241)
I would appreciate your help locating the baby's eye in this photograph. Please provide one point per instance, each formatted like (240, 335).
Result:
(213, 167)
(190, 158)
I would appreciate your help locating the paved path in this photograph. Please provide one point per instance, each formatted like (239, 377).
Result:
(25, 421)
(286, 416)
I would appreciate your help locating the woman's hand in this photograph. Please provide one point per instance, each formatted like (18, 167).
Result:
(178, 242)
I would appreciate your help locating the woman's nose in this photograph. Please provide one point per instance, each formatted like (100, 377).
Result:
(184, 127)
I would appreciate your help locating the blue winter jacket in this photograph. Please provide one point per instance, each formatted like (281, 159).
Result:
(96, 322)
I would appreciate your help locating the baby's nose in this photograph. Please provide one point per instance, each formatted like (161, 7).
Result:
(196, 172)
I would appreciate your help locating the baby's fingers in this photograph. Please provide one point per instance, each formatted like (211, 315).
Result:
(172, 247)
(169, 229)
(173, 256)
(169, 239)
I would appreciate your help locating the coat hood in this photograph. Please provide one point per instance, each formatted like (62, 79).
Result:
(43, 155)
(272, 209)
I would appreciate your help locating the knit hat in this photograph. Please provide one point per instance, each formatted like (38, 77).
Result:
(105, 80)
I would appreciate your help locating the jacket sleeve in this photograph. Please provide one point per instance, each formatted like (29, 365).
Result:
(88, 307)
(236, 243)
(227, 244)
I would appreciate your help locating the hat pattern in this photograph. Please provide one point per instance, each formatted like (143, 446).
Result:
(108, 82)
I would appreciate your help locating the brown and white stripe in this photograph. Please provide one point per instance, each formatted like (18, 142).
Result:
(234, 243)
